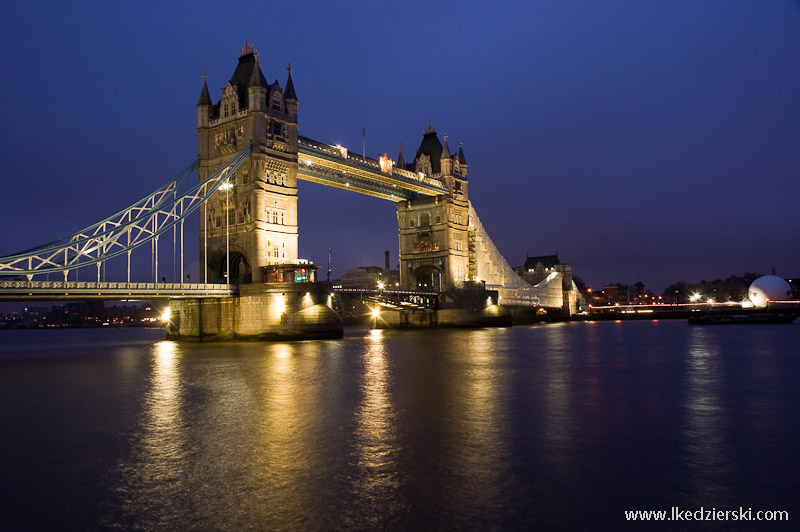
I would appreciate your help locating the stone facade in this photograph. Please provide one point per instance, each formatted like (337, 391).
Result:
(434, 231)
(260, 210)
(270, 311)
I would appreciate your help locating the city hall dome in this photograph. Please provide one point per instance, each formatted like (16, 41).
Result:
(769, 288)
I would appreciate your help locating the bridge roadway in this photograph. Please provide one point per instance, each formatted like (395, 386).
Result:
(80, 290)
(334, 166)
(406, 300)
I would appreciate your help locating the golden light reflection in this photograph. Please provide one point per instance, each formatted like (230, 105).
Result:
(161, 454)
(377, 445)
(479, 437)
(288, 431)
(163, 400)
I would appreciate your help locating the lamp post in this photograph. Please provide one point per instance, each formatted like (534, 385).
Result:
(227, 186)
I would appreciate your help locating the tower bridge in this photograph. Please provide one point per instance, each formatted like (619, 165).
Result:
(250, 159)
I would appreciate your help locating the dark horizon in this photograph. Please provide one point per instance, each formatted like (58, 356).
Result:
(643, 142)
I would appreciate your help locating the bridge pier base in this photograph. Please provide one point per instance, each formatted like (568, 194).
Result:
(456, 308)
(263, 311)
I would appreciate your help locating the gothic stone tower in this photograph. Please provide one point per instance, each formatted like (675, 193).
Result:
(261, 210)
(434, 231)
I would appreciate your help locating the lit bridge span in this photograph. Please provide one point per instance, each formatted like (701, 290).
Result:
(334, 166)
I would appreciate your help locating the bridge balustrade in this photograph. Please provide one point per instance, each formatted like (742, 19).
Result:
(94, 285)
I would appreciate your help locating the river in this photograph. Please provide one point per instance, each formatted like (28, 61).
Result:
(550, 427)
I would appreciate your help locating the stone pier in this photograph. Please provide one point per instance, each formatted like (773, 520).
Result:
(261, 311)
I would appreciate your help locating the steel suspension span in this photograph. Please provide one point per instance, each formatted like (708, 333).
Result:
(140, 224)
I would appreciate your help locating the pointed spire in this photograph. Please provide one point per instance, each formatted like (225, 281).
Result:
(248, 47)
(401, 161)
(461, 157)
(430, 128)
(445, 149)
(205, 97)
(289, 93)
(257, 76)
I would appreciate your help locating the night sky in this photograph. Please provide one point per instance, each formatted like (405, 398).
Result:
(645, 141)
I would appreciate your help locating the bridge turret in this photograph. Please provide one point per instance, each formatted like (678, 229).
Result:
(204, 105)
(446, 160)
(290, 97)
(257, 88)
(462, 161)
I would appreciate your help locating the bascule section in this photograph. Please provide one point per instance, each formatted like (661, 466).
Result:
(251, 221)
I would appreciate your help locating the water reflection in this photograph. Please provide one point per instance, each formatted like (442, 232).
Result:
(156, 469)
(479, 447)
(289, 467)
(376, 451)
(558, 419)
(706, 424)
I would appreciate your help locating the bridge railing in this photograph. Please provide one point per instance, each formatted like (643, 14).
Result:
(367, 163)
(93, 285)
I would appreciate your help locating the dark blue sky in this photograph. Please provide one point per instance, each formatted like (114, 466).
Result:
(648, 140)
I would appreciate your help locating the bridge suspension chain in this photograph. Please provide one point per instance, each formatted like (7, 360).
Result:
(120, 234)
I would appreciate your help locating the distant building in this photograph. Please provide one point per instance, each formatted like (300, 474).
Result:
(537, 269)
(368, 277)
(795, 284)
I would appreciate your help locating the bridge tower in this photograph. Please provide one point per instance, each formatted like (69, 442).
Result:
(259, 211)
(434, 231)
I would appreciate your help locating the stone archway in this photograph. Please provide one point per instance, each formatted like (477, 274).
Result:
(240, 267)
(428, 278)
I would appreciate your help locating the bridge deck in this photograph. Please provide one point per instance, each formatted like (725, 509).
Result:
(78, 290)
(334, 166)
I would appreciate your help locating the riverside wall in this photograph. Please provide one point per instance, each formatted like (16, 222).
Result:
(261, 311)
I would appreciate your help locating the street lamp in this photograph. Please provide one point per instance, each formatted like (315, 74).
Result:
(227, 186)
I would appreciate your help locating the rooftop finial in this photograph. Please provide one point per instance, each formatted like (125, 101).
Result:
(430, 128)
(289, 69)
(248, 47)
(460, 143)
(445, 137)
(205, 76)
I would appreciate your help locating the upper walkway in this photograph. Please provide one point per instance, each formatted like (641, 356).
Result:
(336, 167)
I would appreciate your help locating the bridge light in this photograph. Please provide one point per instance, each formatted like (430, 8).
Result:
(376, 313)
(380, 285)
(166, 314)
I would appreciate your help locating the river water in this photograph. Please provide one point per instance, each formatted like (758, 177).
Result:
(549, 427)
